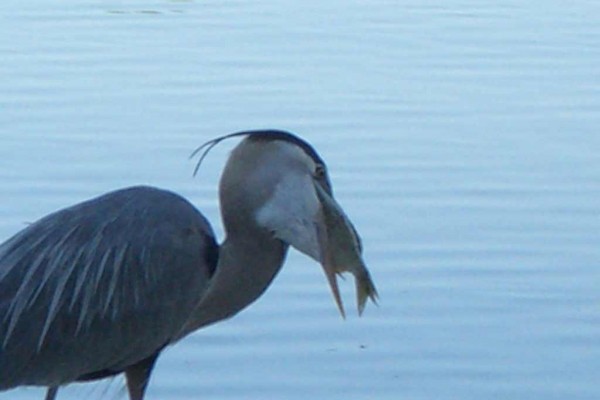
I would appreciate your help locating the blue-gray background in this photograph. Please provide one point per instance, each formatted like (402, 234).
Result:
(462, 138)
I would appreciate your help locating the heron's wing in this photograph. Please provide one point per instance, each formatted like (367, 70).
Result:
(100, 285)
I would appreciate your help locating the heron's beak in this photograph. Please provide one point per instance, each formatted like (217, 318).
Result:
(341, 251)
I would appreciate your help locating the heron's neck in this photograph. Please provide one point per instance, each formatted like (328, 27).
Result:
(248, 262)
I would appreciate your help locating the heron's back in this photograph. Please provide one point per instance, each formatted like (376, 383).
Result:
(101, 285)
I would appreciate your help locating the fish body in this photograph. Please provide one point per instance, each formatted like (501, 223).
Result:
(344, 254)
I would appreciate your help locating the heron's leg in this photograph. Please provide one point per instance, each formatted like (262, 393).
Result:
(51, 392)
(137, 377)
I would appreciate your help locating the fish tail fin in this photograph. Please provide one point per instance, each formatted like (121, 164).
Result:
(365, 289)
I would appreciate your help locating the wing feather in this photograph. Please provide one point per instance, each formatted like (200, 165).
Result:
(100, 285)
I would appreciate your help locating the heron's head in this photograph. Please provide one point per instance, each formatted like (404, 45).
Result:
(278, 182)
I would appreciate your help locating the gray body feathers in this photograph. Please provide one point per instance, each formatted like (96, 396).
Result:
(100, 286)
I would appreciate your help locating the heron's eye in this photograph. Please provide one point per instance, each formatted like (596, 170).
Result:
(319, 171)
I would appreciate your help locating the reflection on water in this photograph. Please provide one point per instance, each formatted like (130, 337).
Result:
(461, 139)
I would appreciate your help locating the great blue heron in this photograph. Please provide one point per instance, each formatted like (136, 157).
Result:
(102, 287)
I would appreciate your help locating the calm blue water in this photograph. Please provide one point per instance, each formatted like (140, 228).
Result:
(462, 139)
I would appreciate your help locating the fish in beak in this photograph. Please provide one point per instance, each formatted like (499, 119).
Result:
(303, 213)
(341, 251)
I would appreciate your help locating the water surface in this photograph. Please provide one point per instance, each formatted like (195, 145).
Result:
(462, 139)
